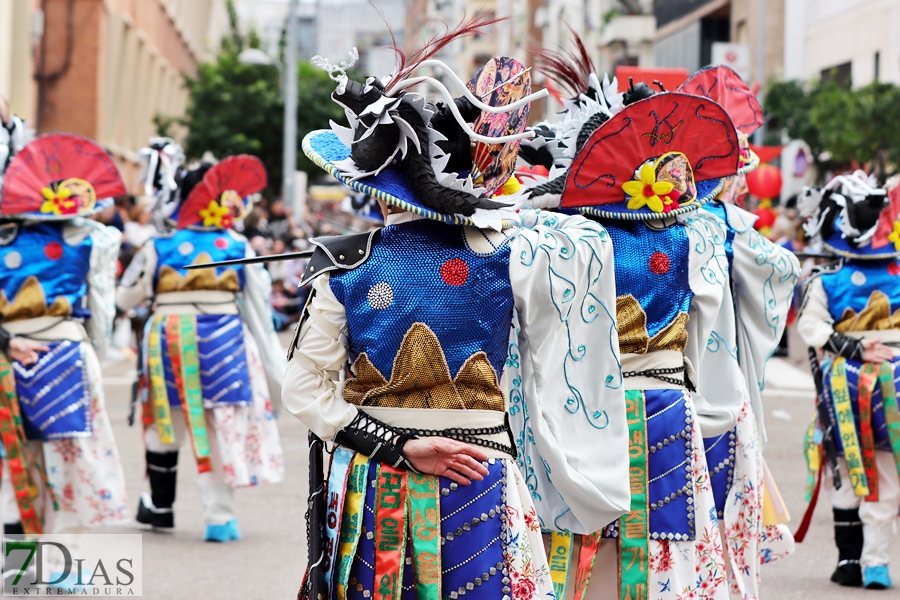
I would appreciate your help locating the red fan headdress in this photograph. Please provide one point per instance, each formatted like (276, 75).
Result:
(218, 200)
(726, 88)
(59, 176)
(661, 156)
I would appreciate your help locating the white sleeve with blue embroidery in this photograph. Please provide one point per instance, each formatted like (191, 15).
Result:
(101, 279)
(566, 398)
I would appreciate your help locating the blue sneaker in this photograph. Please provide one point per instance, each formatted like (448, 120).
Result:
(877, 578)
(223, 533)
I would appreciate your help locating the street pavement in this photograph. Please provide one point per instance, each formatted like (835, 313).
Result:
(269, 562)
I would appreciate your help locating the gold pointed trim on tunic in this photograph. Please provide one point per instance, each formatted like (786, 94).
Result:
(876, 316)
(30, 303)
(171, 280)
(421, 378)
(633, 335)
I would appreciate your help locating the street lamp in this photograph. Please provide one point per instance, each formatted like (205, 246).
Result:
(256, 56)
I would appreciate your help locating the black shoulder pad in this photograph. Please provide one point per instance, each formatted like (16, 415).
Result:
(339, 253)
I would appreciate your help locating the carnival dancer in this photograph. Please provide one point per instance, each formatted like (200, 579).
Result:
(744, 336)
(61, 470)
(424, 497)
(207, 349)
(676, 261)
(848, 312)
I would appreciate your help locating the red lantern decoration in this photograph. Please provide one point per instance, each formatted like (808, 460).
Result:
(765, 182)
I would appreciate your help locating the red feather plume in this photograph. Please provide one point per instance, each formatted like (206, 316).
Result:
(53, 158)
(466, 26)
(667, 122)
(724, 86)
(243, 173)
(571, 70)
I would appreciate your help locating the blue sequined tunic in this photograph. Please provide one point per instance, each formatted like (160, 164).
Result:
(857, 287)
(652, 266)
(44, 274)
(424, 272)
(184, 246)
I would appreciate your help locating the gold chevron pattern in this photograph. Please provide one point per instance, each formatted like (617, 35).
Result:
(876, 316)
(633, 335)
(421, 378)
(30, 303)
(171, 280)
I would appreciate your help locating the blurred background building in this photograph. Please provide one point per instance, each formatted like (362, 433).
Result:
(104, 68)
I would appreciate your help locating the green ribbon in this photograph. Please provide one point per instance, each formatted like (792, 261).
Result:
(425, 529)
(891, 413)
(634, 546)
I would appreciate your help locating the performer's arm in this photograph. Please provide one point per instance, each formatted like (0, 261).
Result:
(312, 391)
(256, 310)
(563, 282)
(136, 286)
(101, 280)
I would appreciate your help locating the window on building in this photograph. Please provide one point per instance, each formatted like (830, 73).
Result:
(840, 73)
(877, 65)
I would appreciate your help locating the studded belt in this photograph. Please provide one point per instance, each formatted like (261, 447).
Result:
(488, 429)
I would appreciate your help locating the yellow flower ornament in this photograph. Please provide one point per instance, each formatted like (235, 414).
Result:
(894, 236)
(647, 190)
(216, 216)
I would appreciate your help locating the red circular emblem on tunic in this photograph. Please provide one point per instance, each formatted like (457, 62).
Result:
(893, 268)
(220, 243)
(659, 263)
(53, 251)
(455, 271)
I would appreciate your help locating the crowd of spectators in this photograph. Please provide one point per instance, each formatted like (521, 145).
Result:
(270, 228)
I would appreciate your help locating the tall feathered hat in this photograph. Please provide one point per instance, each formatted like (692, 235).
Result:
(853, 217)
(448, 161)
(59, 176)
(218, 195)
(163, 168)
(728, 89)
(545, 159)
(658, 157)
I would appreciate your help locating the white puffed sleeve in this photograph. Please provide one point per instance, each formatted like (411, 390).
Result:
(136, 285)
(101, 280)
(764, 278)
(708, 277)
(256, 311)
(815, 323)
(567, 401)
(312, 389)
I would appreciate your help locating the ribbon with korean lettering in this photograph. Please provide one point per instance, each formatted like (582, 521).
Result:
(351, 521)
(840, 394)
(14, 442)
(560, 559)
(425, 529)
(586, 557)
(633, 527)
(159, 395)
(390, 531)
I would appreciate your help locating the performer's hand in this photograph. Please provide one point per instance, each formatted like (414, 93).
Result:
(454, 460)
(25, 351)
(876, 352)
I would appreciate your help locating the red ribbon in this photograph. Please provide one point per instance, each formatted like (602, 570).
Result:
(390, 531)
(867, 378)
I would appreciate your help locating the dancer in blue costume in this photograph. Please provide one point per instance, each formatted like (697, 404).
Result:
(746, 333)
(424, 499)
(61, 470)
(848, 312)
(209, 345)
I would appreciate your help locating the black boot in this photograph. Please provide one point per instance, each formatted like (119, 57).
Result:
(848, 536)
(156, 508)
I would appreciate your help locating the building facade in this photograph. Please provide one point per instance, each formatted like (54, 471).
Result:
(104, 69)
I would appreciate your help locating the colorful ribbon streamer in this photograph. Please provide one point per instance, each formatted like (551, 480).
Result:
(13, 437)
(390, 531)
(351, 522)
(181, 336)
(425, 529)
(840, 393)
(867, 378)
(633, 527)
(158, 393)
(560, 559)
(891, 413)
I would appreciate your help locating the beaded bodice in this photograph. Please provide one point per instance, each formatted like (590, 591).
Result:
(188, 246)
